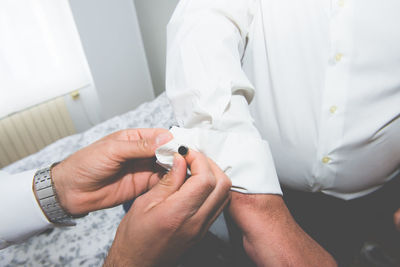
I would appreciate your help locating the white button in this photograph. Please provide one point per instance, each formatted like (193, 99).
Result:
(326, 160)
(338, 57)
(333, 109)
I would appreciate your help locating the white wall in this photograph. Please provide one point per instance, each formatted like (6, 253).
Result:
(85, 111)
(114, 50)
(153, 17)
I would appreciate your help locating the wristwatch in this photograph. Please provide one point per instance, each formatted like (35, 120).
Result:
(46, 196)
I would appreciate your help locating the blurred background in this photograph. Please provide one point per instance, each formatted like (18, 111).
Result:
(68, 65)
(73, 71)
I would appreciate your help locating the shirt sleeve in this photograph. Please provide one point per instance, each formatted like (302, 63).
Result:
(21, 215)
(210, 92)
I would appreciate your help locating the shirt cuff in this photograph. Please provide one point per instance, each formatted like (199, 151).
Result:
(21, 215)
(245, 159)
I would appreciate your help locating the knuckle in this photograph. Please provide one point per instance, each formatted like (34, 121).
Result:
(109, 145)
(170, 223)
(201, 159)
(226, 183)
(208, 181)
(143, 145)
(167, 180)
(165, 184)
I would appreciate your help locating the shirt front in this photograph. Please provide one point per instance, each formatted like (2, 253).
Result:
(322, 77)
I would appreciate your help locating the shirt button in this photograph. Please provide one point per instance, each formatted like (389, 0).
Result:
(341, 3)
(333, 109)
(326, 160)
(338, 57)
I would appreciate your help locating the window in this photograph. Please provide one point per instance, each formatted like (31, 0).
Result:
(41, 56)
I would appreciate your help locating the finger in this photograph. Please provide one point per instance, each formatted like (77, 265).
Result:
(197, 162)
(143, 147)
(136, 134)
(158, 174)
(154, 179)
(396, 218)
(171, 182)
(140, 175)
(207, 224)
(217, 198)
(194, 192)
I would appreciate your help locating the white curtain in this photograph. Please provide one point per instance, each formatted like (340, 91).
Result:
(41, 56)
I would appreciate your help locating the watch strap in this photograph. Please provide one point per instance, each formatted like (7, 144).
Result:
(46, 195)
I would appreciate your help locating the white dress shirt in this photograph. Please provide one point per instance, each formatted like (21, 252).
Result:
(21, 215)
(323, 80)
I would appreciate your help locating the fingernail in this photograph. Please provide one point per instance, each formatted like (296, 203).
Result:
(163, 138)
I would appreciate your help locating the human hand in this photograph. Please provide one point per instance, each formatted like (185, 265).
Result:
(396, 219)
(110, 171)
(271, 237)
(172, 216)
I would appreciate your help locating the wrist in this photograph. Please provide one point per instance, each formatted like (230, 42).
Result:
(47, 199)
(256, 212)
(57, 173)
(115, 259)
(122, 250)
(271, 237)
(67, 199)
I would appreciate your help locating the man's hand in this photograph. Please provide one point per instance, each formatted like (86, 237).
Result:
(109, 172)
(172, 216)
(396, 219)
(271, 237)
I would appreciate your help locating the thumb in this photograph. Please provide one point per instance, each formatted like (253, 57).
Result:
(171, 182)
(141, 148)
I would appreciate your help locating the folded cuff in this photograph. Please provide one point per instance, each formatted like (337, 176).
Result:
(246, 160)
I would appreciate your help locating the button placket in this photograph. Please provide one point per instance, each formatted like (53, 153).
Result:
(334, 97)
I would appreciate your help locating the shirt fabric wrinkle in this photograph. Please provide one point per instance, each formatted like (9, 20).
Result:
(323, 86)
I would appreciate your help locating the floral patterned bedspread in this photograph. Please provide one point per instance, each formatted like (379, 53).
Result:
(87, 243)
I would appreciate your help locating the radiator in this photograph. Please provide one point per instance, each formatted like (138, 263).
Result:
(28, 131)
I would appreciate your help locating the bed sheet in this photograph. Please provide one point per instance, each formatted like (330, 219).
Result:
(88, 242)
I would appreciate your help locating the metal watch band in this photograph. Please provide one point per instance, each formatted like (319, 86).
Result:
(47, 198)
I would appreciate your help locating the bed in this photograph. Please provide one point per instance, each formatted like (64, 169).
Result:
(88, 242)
